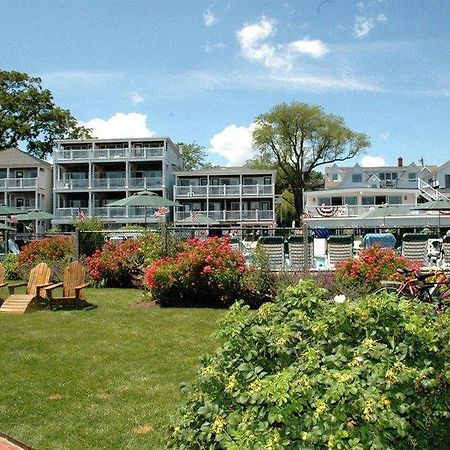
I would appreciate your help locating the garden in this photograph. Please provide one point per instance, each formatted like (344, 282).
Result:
(317, 360)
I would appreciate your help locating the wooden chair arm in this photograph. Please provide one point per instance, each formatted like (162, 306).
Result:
(79, 288)
(14, 286)
(3, 285)
(41, 286)
(52, 286)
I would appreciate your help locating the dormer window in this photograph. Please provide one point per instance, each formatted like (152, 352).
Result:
(412, 176)
(357, 178)
(334, 177)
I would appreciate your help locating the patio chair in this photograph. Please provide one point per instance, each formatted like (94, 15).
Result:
(35, 295)
(446, 251)
(73, 288)
(339, 248)
(273, 247)
(235, 243)
(415, 246)
(297, 252)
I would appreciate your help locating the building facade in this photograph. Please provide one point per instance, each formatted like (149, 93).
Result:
(90, 174)
(231, 196)
(25, 181)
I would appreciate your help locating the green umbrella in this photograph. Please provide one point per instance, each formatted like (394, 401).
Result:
(387, 210)
(4, 227)
(35, 214)
(197, 219)
(146, 199)
(8, 210)
(435, 205)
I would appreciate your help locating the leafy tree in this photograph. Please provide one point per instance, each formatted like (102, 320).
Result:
(298, 138)
(194, 156)
(28, 115)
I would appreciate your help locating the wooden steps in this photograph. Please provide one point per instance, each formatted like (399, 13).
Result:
(18, 304)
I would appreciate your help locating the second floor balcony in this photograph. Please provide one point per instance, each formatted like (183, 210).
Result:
(254, 215)
(110, 183)
(236, 190)
(108, 153)
(19, 183)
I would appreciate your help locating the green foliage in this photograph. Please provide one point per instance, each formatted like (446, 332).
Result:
(193, 155)
(90, 242)
(29, 115)
(298, 138)
(304, 373)
(11, 262)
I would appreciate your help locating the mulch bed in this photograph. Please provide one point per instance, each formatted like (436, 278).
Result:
(146, 305)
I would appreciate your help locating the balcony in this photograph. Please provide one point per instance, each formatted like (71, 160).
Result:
(109, 183)
(109, 153)
(72, 185)
(107, 212)
(230, 216)
(70, 213)
(143, 183)
(238, 190)
(19, 183)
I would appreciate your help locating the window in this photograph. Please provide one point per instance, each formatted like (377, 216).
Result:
(265, 206)
(368, 200)
(19, 202)
(214, 182)
(412, 176)
(334, 177)
(394, 200)
(357, 178)
(336, 201)
(235, 206)
(19, 174)
(447, 182)
(326, 201)
(350, 201)
(248, 181)
(267, 181)
(203, 182)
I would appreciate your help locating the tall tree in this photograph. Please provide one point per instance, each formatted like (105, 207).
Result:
(299, 138)
(194, 156)
(29, 116)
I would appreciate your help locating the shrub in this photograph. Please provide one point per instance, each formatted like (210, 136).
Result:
(121, 264)
(10, 262)
(373, 265)
(204, 273)
(304, 373)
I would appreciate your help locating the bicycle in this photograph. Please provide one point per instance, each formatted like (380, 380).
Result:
(418, 286)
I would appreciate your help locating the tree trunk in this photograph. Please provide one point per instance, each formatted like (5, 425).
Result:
(298, 203)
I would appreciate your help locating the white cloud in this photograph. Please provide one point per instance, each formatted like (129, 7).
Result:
(385, 135)
(136, 98)
(209, 18)
(120, 125)
(314, 48)
(254, 46)
(381, 18)
(234, 143)
(372, 161)
(363, 26)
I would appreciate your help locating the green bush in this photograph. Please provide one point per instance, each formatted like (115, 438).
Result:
(11, 262)
(304, 373)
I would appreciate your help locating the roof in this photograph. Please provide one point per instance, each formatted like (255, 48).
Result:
(14, 157)
(225, 171)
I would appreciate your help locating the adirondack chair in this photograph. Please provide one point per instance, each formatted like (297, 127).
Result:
(35, 295)
(2, 277)
(73, 285)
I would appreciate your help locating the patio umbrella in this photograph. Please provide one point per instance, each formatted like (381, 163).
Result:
(145, 199)
(8, 210)
(198, 219)
(4, 227)
(435, 205)
(35, 214)
(387, 210)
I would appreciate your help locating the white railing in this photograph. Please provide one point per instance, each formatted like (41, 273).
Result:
(354, 210)
(235, 190)
(18, 183)
(72, 213)
(109, 183)
(108, 153)
(429, 192)
(143, 183)
(250, 215)
(82, 183)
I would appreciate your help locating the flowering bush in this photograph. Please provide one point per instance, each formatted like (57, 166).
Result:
(373, 265)
(307, 373)
(121, 264)
(56, 251)
(203, 273)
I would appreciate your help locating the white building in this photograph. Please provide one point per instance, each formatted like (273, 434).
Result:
(232, 196)
(89, 174)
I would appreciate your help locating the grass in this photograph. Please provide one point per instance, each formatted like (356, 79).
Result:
(106, 378)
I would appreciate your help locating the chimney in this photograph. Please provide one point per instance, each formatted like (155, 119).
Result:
(400, 161)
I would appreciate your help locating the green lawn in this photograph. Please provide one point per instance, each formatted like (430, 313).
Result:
(106, 378)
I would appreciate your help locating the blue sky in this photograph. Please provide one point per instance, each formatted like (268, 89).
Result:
(203, 70)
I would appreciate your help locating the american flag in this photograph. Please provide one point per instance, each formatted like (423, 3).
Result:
(81, 214)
